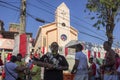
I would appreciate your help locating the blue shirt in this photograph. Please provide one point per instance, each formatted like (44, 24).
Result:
(11, 68)
(83, 65)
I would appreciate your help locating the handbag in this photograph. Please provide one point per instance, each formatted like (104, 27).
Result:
(11, 74)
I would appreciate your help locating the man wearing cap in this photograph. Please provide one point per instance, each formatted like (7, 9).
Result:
(80, 68)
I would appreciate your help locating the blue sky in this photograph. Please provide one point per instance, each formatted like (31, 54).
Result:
(45, 9)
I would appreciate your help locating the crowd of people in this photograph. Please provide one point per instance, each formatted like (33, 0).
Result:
(109, 69)
(54, 64)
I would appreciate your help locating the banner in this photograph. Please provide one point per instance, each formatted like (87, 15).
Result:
(89, 54)
(98, 54)
(23, 44)
(43, 50)
(66, 51)
(20, 45)
(94, 54)
(6, 43)
(9, 57)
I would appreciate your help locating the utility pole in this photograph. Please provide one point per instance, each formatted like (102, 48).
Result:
(21, 38)
(23, 17)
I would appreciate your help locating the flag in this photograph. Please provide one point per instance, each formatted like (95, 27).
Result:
(43, 50)
(20, 45)
(9, 57)
(23, 45)
(66, 51)
(98, 54)
(36, 55)
(94, 54)
(89, 54)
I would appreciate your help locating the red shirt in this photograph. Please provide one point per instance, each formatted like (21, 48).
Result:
(1, 62)
(93, 67)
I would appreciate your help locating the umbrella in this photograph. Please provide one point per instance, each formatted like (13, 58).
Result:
(72, 44)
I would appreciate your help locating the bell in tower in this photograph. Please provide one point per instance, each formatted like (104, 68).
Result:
(62, 17)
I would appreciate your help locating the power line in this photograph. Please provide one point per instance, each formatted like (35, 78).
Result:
(17, 9)
(14, 2)
(11, 9)
(92, 35)
(40, 19)
(41, 1)
(46, 4)
(44, 10)
(60, 16)
(46, 21)
(10, 4)
(40, 8)
(8, 7)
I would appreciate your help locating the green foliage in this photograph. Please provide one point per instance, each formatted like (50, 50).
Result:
(102, 7)
(97, 23)
(92, 18)
(103, 24)
(107, 12)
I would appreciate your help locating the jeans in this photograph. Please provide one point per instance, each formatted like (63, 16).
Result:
(81, 77)
(110, 77)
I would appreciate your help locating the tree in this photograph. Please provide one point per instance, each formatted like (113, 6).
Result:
(106, 14)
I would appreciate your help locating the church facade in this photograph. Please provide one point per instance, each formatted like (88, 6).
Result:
(59, 31)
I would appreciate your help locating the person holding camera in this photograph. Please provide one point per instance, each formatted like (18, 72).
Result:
(58, 61)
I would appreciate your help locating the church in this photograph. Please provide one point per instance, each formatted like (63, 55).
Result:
(59, 31)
